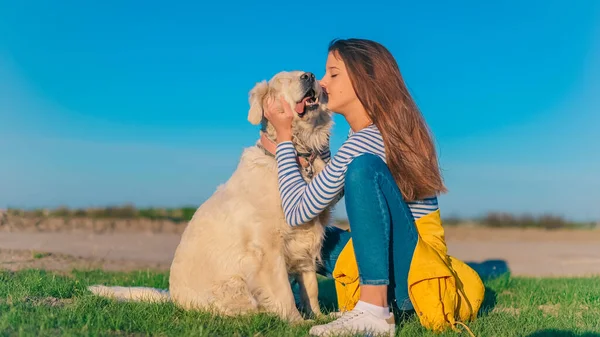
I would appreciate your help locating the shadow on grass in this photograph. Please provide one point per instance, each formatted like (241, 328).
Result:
(562, 333)
(489, 302)
(327, 294)
(489, 270)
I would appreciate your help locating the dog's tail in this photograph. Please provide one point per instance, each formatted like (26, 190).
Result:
(143, 294)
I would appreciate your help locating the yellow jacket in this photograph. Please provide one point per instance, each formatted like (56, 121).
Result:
(444, 291)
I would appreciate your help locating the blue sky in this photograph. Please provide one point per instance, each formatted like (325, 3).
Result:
(116, 101)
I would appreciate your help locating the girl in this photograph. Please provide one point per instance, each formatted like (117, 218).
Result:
(387, 170)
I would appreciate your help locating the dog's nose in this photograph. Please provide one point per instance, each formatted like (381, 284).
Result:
(307, 77)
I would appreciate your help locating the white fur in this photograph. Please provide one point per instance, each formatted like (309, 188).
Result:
(237, 251)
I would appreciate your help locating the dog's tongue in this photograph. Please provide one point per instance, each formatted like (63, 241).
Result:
(300, 106)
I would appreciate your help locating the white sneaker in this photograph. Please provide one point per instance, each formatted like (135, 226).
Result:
(354, 322)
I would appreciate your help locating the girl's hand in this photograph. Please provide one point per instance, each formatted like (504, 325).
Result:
(280, 119)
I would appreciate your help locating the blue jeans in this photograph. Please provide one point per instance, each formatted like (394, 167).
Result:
(382, 227)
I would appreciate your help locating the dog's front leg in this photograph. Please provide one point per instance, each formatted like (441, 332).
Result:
(273, 291)
(309, 292)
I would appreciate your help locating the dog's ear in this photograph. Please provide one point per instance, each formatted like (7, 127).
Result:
(256, 96)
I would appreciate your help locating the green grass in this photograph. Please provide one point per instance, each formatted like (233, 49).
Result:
(39, 255)
(40, 303)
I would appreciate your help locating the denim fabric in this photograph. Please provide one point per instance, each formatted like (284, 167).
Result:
(382, 228)
(335, 241)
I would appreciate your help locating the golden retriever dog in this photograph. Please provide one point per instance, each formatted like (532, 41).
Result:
(237, 252)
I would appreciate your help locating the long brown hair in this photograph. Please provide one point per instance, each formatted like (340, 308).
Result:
(410, 152)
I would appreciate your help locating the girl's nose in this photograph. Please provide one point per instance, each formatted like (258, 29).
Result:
(322, 84)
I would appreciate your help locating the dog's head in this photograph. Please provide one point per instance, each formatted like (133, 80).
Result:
(300, 89)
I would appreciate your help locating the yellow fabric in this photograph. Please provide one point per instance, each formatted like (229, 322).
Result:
(443, 290)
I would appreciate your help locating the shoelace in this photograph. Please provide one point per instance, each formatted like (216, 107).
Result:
(346, 316)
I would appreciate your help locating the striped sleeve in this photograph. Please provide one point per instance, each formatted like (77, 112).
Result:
(303, 201)
(325, 155)
(420, 208)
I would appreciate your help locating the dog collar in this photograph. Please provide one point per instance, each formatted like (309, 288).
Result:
(270, 147)
(267, 144)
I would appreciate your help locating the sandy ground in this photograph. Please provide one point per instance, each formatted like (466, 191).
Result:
(490, 251)
(527, 252)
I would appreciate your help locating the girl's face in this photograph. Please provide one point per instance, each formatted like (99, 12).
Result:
(337, 85)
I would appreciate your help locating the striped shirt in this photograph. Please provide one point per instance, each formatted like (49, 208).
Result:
(303, 201)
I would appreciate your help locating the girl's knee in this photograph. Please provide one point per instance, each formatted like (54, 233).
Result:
(362, 168)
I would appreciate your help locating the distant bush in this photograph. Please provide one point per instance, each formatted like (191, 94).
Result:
(127, 211)
(184, 214)
(507, 220)
(547, 221)
(453, 221)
